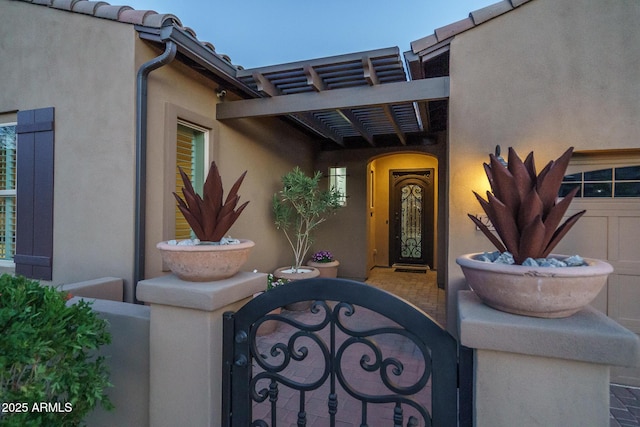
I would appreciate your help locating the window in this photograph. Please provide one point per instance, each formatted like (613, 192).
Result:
(7, 191)
(338, 181)
(615, 182)
(190, 156)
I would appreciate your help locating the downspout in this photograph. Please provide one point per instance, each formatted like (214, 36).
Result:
(141, 158)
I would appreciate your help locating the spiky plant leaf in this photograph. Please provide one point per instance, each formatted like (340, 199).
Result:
(485, 230)
(207, 216)
(505, 187)
(530, 208)
(523, 206)
(506, 224)
(555, 215)
(548, 183)
(234, 189)
(521, 177)
(530, 239)
(561, 232)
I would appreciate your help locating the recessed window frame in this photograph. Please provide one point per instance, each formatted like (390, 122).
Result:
(8, 194)
(174, 114)
(338, 181)
(196, 169)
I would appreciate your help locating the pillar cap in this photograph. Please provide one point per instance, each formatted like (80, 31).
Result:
(587, 336)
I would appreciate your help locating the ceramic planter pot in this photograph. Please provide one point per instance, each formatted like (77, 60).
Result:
(327, 269)
(549, 292)
(302, 273)
(205, 262)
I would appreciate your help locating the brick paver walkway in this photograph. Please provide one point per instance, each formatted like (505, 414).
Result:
(625, 406)
(420, 289)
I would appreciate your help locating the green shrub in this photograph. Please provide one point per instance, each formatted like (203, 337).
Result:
(49, 374)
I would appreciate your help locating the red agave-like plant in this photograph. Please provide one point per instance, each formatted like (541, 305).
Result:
(524, 208)
(208, 217)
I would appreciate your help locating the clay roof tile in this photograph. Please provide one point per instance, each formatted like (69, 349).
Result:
(159, 20)
(64, 4)
(88, 7)
(133, 16)
(453, 29)
(111, 12)
(486, 13)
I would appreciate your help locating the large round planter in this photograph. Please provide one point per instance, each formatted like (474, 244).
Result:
(549, 292)
(327, 269)
(205, 262)
(302, 273)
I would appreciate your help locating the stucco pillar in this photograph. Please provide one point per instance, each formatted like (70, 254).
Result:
(186, 345)
(542, 372)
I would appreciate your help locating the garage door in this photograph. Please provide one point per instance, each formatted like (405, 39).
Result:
(610, 230)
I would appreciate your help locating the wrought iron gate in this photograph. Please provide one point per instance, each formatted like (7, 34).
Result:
(359, 355)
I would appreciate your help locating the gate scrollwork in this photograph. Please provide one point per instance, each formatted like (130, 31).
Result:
(359, 355)
(271, 362)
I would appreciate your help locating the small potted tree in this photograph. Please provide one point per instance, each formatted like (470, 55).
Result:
(523, 277)
(299, 208)
(211, 256)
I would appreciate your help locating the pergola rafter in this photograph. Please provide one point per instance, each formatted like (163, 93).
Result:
(362, 95)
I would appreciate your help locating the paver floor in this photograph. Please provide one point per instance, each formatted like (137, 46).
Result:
(420, 289)
(417, 288)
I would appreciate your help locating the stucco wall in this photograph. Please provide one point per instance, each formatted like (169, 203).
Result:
(54, 58)
(86, 68)
(550, 74)
(266, 148)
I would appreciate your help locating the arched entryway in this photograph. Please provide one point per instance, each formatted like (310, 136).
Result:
(402, 214)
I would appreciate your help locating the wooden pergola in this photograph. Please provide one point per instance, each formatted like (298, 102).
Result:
(345, 99)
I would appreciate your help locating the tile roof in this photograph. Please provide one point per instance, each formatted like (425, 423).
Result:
(444, 34)
(378, 124)
(124, 14)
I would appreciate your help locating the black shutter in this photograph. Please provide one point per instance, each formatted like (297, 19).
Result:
(34, 193)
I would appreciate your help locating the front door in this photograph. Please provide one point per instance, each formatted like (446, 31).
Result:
(411, 217)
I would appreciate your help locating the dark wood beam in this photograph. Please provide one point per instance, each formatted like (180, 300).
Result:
(388, 111)
(312, 122)
(361, 96)
(371, 77)
(313, 79)
(357, 124)
(370, 74)
(266, 87)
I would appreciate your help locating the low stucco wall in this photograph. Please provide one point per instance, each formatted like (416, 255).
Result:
(547, 372)
(105, 288)
(128, 360)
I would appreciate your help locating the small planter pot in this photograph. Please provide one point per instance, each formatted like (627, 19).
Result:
(205, 262)
(292, 275)
(549, 292)
(327, 269)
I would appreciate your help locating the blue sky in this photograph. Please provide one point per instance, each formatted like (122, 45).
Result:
(257, 33)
